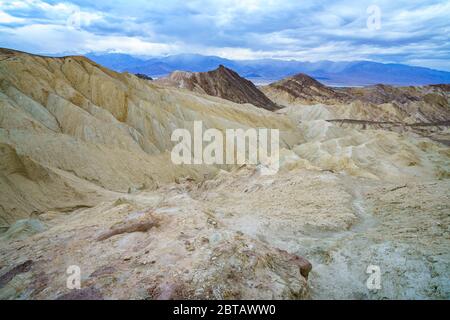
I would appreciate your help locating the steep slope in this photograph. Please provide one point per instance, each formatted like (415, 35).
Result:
(222, 82)
(76, 120)
(97, 131)
(425, 109)
(86, 179)
(379, 103)
(302, 89)
(425, 104)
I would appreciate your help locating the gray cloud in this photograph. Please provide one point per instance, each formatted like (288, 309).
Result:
(412, 32)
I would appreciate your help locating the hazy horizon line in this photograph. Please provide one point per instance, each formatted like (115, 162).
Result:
(148, 57)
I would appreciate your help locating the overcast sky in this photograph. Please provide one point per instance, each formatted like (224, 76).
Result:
(411, 32)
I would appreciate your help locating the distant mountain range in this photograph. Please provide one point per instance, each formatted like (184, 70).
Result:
(351, 73)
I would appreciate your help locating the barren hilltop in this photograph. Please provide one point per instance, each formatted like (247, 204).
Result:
(222, 82)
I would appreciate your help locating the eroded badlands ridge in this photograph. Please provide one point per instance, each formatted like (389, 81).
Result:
(303, 89)
(82, 127)
(86, 179)
(222, 82)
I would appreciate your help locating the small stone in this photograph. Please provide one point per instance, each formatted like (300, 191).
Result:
(189, 246)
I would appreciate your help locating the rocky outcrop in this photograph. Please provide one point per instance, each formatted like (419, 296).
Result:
(429, 104)
(424, 110)
(86, 179)
(426, 104)
(301, 88)
(381, 93)
(144, 76)
(223, 83)
(72, 131)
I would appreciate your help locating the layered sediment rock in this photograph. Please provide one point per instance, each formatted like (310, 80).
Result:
(302, 89)
(222, 82)
(86, 180)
